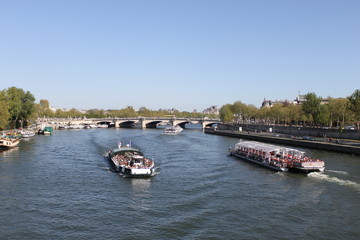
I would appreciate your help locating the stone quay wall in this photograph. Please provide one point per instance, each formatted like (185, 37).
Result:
(294, 130)
(328, 146)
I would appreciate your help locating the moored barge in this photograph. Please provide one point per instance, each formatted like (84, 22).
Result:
(9, 143)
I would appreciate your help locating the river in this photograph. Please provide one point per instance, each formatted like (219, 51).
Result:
(62, 187)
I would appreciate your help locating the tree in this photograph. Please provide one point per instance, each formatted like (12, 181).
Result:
(263, 114)
(21, 106)
(75, 113)
(95, 113)
(324, 116)
(43, 109)
(144, 112)
(4, 111)
(354, 105)
(226, 113)
(243, 111)
(294, 113)
(60, 113)
(250, 112)
(277, 113)
(312, 106)
(238, 109)
(339, 111)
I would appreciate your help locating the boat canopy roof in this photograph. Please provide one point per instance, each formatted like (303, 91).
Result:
(264, 147)
(126, 149)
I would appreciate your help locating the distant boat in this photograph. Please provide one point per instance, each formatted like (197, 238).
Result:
(131, 162)
(46, 131)
(76, 126)
(173, 130)
(27, 134)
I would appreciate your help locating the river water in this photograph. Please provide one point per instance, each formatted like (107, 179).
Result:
(62, 187)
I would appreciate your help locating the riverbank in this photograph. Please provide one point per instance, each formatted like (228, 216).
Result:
(350, 147)
(314, 132)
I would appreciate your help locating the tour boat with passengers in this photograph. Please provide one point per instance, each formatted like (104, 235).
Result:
(275, 157)
(131, 162)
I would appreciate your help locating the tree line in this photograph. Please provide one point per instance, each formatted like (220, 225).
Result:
(337, 112)
(18, 109)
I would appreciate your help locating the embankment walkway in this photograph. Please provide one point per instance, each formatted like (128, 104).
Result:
(351, 147)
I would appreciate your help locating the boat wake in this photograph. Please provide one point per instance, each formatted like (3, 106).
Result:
(108, 169)
(338, 172)
(327, 178)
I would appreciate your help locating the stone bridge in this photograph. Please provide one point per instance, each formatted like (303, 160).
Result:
(141, 122)
(154, 122)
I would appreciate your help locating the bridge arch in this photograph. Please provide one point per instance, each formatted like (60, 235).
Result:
(152, 124)
(109, 123)
(126, 124)
(182, 124)
(205, 125)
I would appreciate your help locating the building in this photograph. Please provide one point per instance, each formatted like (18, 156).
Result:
(212, 110)
(300, 99)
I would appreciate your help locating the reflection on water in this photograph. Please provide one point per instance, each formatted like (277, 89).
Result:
(140, 185)
(140, 195)
(8, 152)
(201, 193)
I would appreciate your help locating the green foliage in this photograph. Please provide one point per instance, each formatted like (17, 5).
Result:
(123, 113)
(323, 119)
(4, 111)
(95, 113)
(277, 113)
(21, 106)
(263, 114)
(312, 110)
(43, 109)
(312, 107)
(354, 105)
(226, 114)
(339, 111)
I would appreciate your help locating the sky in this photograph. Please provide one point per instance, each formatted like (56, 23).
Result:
(182, 54)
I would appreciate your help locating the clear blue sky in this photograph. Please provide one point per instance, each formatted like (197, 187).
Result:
(185, 54)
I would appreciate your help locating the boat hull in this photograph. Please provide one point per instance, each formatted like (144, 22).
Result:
(261, 163)
(132, 172)
(7, 144)
(307, 170)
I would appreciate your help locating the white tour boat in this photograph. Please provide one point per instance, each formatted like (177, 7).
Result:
(27, 134)
(131, 162)
(173, 130)
(276, 157)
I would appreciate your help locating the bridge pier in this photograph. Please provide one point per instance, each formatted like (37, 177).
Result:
(142, 123)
